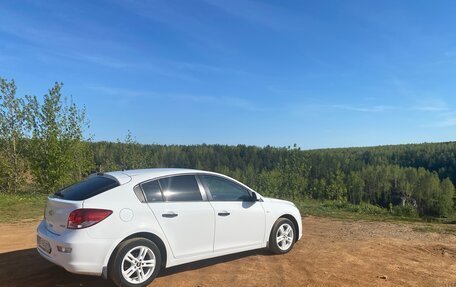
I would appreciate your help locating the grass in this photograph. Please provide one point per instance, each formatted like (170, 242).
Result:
(437, 228)
(17, 207)
(368, 212)
(343, 210)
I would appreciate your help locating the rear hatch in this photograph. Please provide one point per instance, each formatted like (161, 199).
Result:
(57, 212)
(63, 202)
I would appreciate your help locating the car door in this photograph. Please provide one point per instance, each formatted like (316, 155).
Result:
(186, 218)
(239, 222)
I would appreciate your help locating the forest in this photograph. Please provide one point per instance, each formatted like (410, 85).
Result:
(43, 148)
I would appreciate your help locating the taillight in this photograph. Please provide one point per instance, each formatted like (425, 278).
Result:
(85, 217)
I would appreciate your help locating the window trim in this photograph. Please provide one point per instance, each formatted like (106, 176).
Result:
(142, 197)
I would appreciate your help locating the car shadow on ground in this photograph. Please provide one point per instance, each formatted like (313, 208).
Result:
(212, 261)
(26, 268)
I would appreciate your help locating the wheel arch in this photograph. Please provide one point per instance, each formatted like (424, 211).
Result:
(295, 223)
(152, 237)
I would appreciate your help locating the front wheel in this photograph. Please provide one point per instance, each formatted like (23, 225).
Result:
(282, 236)
(136, 264)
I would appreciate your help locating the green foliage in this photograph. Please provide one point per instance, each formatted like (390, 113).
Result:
(294, 174)
(269, 182)
(444, 198)
(129, 156)
(355, 187)
(404, 211)
(12, 119)
(344, 210)
(57, 153)
(42, 144)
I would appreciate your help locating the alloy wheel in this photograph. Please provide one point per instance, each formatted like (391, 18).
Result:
(138, 264)
(284, 236)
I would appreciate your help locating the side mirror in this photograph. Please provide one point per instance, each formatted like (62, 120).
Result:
(254, 197)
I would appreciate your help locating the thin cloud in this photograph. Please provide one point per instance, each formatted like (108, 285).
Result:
(440, 110)
(201, 67)
(258, 12)
(233, 102)
(45, 38)
(434, 105)
(101, 61)
(444, 119)
(443, 122)
(364, 109)
(448, 122)
(154, 67)
(119, 92)
(188, 71)
(189, 25)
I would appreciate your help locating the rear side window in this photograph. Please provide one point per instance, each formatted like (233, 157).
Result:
(180, 188)
(87, 188)
(152, 191)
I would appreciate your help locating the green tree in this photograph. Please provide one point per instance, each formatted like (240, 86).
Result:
(426, 193)
(406, 185)
(445, 198)
(294, 172)
(355, 188)
(269, 183)
(337, 189)
(12, 130)
(129, 152)
(80, 155)
(58, 154)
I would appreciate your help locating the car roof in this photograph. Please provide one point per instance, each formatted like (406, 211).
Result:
(139, 175)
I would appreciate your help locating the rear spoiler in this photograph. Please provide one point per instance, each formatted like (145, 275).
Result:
(120, 177)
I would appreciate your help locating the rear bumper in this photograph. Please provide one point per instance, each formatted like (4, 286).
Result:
(87, 255)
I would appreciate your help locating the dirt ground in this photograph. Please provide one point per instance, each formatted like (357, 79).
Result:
(331, 253)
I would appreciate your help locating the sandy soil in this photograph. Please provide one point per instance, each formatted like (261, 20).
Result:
(331, 253)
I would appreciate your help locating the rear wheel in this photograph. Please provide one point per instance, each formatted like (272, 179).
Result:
(282, 236)
(136, 263)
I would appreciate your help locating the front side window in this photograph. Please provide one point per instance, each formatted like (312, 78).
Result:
(225, 190)
(180, 188)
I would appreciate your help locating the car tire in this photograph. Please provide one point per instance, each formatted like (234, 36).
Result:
(282, 236)
(136, 263)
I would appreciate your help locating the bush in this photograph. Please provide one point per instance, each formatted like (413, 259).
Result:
(404, 211)
(364, 208)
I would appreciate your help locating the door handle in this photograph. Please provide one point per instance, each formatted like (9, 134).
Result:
(169, 215)
(224, 213)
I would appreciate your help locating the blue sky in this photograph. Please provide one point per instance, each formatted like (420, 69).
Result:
(316, 73)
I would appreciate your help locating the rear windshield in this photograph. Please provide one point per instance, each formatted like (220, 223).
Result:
(87, 188)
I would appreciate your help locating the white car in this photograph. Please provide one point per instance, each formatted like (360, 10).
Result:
(127, 225)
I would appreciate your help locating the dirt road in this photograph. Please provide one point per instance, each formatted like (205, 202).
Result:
(331, 253)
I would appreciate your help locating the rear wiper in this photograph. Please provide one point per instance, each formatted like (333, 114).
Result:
(59, 194)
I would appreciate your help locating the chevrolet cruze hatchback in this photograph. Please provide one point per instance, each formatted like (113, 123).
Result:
(127, 225)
